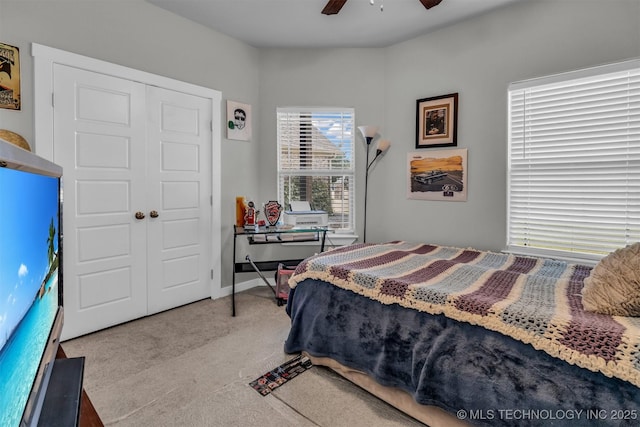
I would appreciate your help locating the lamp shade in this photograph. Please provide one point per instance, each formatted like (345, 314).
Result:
(383, 145)
(368, 131)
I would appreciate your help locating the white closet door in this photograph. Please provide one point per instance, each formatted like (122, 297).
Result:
(179, 191)
(100, 141)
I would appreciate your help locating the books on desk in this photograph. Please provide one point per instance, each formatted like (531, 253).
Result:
(284, 237)
(266, 238)
(292, 237)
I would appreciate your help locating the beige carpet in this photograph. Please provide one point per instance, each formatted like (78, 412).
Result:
(191, 366)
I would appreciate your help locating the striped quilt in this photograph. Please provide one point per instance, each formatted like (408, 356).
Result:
(534, 300)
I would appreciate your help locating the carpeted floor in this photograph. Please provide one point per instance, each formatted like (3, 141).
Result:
(192, 366)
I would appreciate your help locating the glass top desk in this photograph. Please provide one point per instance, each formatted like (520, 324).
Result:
(271, 235)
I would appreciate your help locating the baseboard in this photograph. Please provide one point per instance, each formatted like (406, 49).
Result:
(244, 286)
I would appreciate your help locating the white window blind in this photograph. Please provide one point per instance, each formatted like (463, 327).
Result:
(574, 163)
(316, 161)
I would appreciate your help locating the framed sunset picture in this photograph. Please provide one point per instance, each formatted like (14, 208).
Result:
(437, 175)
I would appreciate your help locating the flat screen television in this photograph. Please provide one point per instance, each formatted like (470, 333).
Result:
(31, 315)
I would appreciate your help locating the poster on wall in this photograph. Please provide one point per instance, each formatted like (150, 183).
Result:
(437, 175)
(9, 77)
(238, 121)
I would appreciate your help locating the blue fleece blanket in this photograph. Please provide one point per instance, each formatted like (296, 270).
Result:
(494, 379)
(534, 300)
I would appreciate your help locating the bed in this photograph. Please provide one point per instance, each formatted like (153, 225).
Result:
(458, 336)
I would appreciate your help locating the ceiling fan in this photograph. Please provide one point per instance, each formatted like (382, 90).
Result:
(334, 6)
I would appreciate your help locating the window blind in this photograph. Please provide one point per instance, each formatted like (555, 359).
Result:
(316, 161)
(574, 162)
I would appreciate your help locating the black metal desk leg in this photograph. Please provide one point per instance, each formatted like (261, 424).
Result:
(233, 277)
(324, 235)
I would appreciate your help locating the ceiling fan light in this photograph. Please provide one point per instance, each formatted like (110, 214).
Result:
(334, 6)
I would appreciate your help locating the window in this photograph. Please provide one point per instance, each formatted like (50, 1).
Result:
(316, 161)
(574, 163)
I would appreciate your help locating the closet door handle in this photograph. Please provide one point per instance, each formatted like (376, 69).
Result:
(154, 214)
(139, 215)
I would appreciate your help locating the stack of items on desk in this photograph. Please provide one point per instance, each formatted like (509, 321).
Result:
(266, 238)
(292, 237)
(285, 237)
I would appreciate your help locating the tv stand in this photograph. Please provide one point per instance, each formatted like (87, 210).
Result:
(66, 403)
(61, 406)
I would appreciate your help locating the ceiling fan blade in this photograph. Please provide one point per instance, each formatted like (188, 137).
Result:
(333, 7)
(430, 3)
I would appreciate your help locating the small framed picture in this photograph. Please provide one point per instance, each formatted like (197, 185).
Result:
(238, 121)
(10, 97)
(437, 175)
(437, 121)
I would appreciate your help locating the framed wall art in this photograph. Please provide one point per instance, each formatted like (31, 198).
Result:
(9, 77)
(437, 121)
(437, 175)
(238, 121)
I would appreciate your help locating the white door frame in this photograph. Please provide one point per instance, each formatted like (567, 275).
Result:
(45, 57)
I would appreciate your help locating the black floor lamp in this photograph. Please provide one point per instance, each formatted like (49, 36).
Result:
(369, 133)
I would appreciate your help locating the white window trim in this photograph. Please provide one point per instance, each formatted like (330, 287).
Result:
(346, 234)
(528, 132)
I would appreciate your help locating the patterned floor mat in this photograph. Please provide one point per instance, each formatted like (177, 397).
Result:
(280, 375)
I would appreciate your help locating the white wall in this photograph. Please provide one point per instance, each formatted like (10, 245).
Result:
(478, 59)
(136, 34)
(317, 78)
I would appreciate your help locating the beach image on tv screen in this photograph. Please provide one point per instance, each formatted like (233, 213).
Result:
(28, 282)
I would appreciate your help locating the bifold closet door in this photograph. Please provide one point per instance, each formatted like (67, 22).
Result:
(100, 142)
(179, 198)
(137, 197)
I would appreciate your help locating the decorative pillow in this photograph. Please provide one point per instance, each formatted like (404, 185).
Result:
(613, 287)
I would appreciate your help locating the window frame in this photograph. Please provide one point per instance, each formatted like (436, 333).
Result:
(525, 126)
(346, 116)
